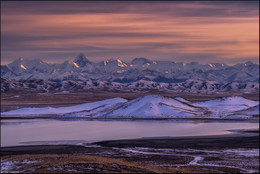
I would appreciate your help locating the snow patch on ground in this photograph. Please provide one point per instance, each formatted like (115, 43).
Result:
(14, 166)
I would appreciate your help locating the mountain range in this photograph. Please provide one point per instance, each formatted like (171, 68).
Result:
(82, 69)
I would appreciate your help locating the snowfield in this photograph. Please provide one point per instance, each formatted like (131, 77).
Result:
(153, 106)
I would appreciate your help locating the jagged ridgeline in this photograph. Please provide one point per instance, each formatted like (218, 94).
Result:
(149, 72)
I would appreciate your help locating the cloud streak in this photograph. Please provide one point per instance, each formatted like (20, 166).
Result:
(180, 31)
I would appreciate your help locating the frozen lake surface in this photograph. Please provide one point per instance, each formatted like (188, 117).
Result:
(52, 131)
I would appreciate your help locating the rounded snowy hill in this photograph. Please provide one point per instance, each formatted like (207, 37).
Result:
(156, 106)
(225, 106)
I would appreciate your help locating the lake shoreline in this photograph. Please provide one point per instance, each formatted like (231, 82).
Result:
(228, 141)
(57, 117)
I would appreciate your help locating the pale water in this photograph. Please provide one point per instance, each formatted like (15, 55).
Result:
(52, 131)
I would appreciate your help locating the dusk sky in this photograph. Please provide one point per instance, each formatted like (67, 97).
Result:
(200, 31)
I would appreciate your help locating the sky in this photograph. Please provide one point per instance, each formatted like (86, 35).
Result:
(199, 31)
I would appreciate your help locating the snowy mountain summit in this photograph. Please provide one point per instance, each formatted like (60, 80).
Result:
(81, 61)
(153, 107)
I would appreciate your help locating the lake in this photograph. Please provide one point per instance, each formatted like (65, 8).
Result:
(52, 131)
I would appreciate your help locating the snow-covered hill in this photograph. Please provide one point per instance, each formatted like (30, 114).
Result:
(87, 107)
(82, 69)
(155, 107)
(227, 106)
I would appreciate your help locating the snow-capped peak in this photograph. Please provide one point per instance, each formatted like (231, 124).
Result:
(21, 64)
(141, 61)
(115, 62)
(81, 61)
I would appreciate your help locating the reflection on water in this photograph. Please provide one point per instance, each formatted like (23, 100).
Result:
(51, 131)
